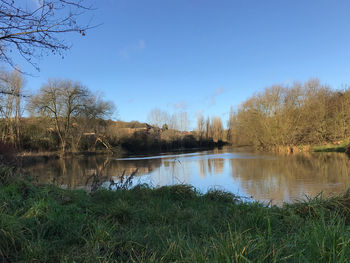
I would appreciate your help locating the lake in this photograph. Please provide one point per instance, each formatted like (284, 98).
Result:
(256, 176)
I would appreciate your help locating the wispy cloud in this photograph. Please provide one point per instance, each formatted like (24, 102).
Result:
(141, 45)
(180, 105)
(127, 51)
(211, 99)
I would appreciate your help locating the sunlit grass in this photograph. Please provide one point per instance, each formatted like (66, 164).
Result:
(168, 224)
(331, 147)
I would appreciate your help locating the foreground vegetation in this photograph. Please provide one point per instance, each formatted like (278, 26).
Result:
(43, 223)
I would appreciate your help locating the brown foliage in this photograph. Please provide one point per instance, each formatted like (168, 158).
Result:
(300, 114)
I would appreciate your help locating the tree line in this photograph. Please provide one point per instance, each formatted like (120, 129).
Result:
(60, 113)
(173, 131)
(65, 116)
(292, 115)
(210, 129)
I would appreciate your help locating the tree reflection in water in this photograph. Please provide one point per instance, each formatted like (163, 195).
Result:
(290, 177)
(265, 177)
(88, 173)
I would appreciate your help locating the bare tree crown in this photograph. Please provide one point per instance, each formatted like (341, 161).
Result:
(33, 27)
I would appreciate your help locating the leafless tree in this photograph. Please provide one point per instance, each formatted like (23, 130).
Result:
(178, 121)
(208, 132)
(91, 118)
(217, 129)
(158, 117)
(200, 127)
(182, 121)
(66, 104)
(11, 85)
(287, 116)
(231, 136)
(33, 28)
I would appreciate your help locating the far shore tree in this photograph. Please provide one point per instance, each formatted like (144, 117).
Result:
(207, 129)
(158, 117)
(200, 127)
(67, 104)
(217, 129)
(309, 113)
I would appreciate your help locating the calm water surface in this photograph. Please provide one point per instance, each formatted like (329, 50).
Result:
(260, 176)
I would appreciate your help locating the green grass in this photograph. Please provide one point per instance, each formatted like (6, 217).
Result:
(168, 224)
(331, 147)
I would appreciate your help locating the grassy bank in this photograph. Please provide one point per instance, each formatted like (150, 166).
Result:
(43, 223)
(332, 147)
(292, 149)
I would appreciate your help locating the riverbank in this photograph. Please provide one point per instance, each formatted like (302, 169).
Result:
(120, 152)
(292, 149)
(36, 157)
(43, 223)
(341, 147)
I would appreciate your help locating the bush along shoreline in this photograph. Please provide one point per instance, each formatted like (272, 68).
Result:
(43, 223)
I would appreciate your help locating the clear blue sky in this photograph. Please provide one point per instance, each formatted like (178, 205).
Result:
(202, 56)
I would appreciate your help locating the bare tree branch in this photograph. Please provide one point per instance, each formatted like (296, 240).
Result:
(35, 30)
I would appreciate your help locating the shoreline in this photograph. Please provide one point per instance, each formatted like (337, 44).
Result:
(292, 149)
(57, 154)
